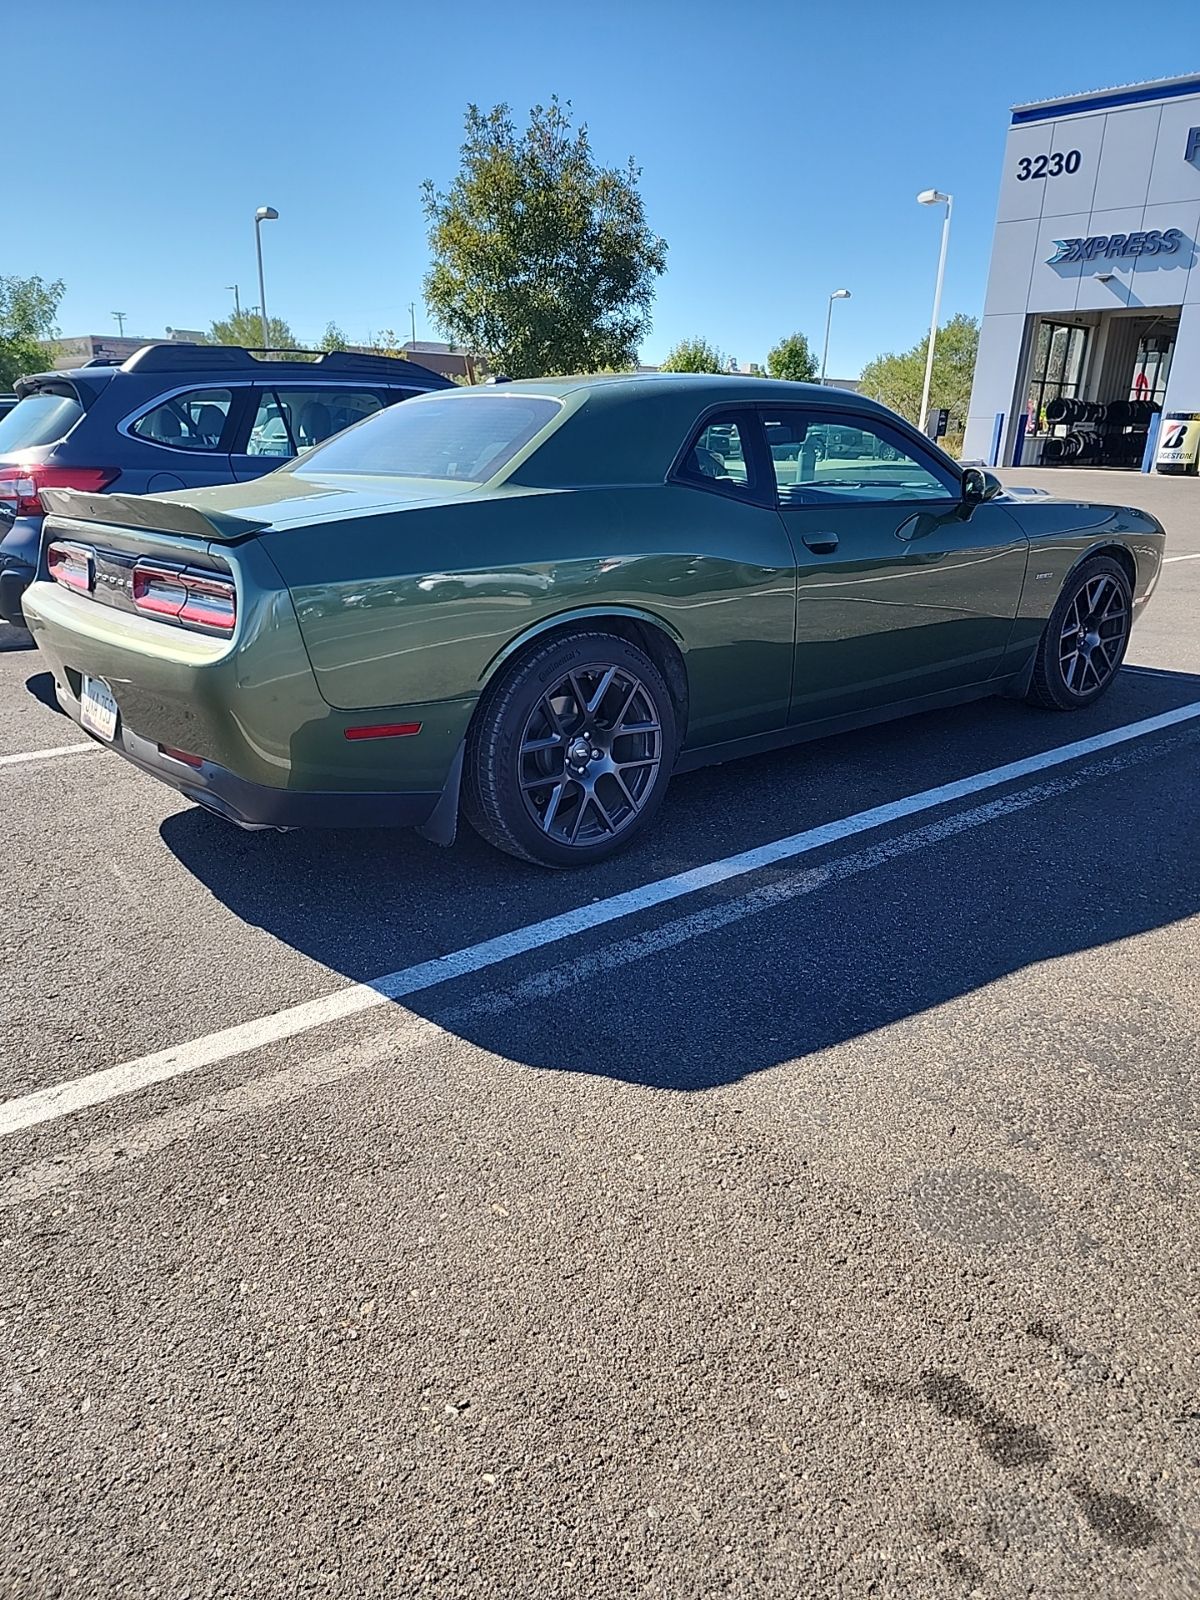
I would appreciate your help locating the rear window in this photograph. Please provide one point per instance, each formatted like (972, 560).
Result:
(192, 421)
(43, 417)
(467, 437)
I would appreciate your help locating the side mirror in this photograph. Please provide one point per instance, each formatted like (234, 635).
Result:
(974, 485)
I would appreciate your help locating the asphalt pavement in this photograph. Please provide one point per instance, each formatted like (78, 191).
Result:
(377, 1220)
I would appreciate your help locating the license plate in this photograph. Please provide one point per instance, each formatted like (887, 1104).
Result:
(98, 708)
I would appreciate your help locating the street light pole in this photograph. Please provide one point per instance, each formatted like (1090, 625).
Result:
(237, 302)
(120, 321)
(263, 214)
(934, 197)
(838, 294)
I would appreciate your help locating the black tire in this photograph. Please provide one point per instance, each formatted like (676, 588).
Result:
(550, 759)
(1084, 642)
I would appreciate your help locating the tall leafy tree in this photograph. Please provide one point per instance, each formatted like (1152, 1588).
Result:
(28, 308)
(792, 359)
(897, 379)
(333, 338)
(245, 328)
(542, 259)
(695, 355)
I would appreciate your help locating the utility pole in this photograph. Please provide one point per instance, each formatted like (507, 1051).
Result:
(412, 315)
(120, 316)
(237, 304)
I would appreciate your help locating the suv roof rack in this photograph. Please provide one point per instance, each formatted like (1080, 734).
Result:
(175, 355)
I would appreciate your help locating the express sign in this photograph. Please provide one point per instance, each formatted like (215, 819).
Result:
(1106, 246)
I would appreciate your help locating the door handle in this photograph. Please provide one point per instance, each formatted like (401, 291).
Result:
(821, 544)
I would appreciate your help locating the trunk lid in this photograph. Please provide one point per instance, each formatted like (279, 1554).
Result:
(229, 512)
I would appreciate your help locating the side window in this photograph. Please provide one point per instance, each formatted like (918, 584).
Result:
(827, 461)
(192, 421)
(290, 421)
(720, 456)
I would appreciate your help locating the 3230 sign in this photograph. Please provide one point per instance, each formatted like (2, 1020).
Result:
(1051, 166)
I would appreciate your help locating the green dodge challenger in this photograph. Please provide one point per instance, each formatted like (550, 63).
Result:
(535, 601)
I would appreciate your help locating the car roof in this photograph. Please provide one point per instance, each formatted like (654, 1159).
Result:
(173, 359)
(704, 387)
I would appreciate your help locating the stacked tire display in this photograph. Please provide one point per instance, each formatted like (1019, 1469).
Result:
(1109, 434)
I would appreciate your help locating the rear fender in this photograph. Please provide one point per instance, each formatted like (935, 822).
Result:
(587, 616)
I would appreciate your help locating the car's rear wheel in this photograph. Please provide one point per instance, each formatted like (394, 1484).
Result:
(1085, 639)
(571, 751)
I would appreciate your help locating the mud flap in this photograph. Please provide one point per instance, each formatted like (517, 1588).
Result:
(443, 823)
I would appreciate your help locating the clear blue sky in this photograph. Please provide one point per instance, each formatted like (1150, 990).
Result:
(781, 147)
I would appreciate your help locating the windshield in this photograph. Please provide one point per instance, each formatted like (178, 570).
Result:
(466, 436)
(41, 418)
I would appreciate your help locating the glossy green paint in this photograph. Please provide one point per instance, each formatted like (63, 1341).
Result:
(425, 604)
(250, 704)
(913, 602)
(394, 600)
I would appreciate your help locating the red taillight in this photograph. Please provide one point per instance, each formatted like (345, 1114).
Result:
(181, 755)
(383, 730)
(185, 596)
(21, 485)
(70, 565)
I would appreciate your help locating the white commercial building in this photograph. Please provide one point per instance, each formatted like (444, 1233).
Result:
(1091, 326)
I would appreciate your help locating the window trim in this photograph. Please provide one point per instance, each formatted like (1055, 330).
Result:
(940, 465)
(127, 423)
(762, 492)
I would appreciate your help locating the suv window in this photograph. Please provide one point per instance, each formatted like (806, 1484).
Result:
(721, 457)
(836, 460)
(43, 417)
(192, 421)
(290, 421)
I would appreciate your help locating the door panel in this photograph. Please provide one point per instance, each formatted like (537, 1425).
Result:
(909, 602)
(902, 590)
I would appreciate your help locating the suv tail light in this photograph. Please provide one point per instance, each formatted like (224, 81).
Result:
(185, 597)
(20, 485)
(70, 565)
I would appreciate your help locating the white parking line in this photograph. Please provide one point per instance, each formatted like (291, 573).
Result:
(407, 1033)
(1194, 556)
(44, 1105)
(46, 755)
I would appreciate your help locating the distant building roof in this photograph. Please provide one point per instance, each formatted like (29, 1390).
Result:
(1125, 94)
(849, 384)
(80, 348)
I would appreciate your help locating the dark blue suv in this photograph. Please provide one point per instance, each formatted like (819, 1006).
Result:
(174, 416)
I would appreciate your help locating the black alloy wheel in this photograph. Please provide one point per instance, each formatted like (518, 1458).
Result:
(590, 752)
(571, 752)
(1085, 639)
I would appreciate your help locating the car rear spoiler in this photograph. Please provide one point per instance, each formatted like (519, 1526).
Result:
(152, 514)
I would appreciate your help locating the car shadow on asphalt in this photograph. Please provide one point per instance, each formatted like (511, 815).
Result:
(789, 962)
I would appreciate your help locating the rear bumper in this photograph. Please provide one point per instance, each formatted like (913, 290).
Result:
(257, 805)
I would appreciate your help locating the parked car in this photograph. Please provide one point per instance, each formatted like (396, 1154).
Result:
(551, 595)
(174, 416)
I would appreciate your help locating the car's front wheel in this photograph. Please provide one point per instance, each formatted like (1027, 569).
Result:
(571, 751)
(1084, 641)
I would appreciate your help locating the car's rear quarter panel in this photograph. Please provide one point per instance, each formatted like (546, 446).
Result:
(250, 703)
(424, 604)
